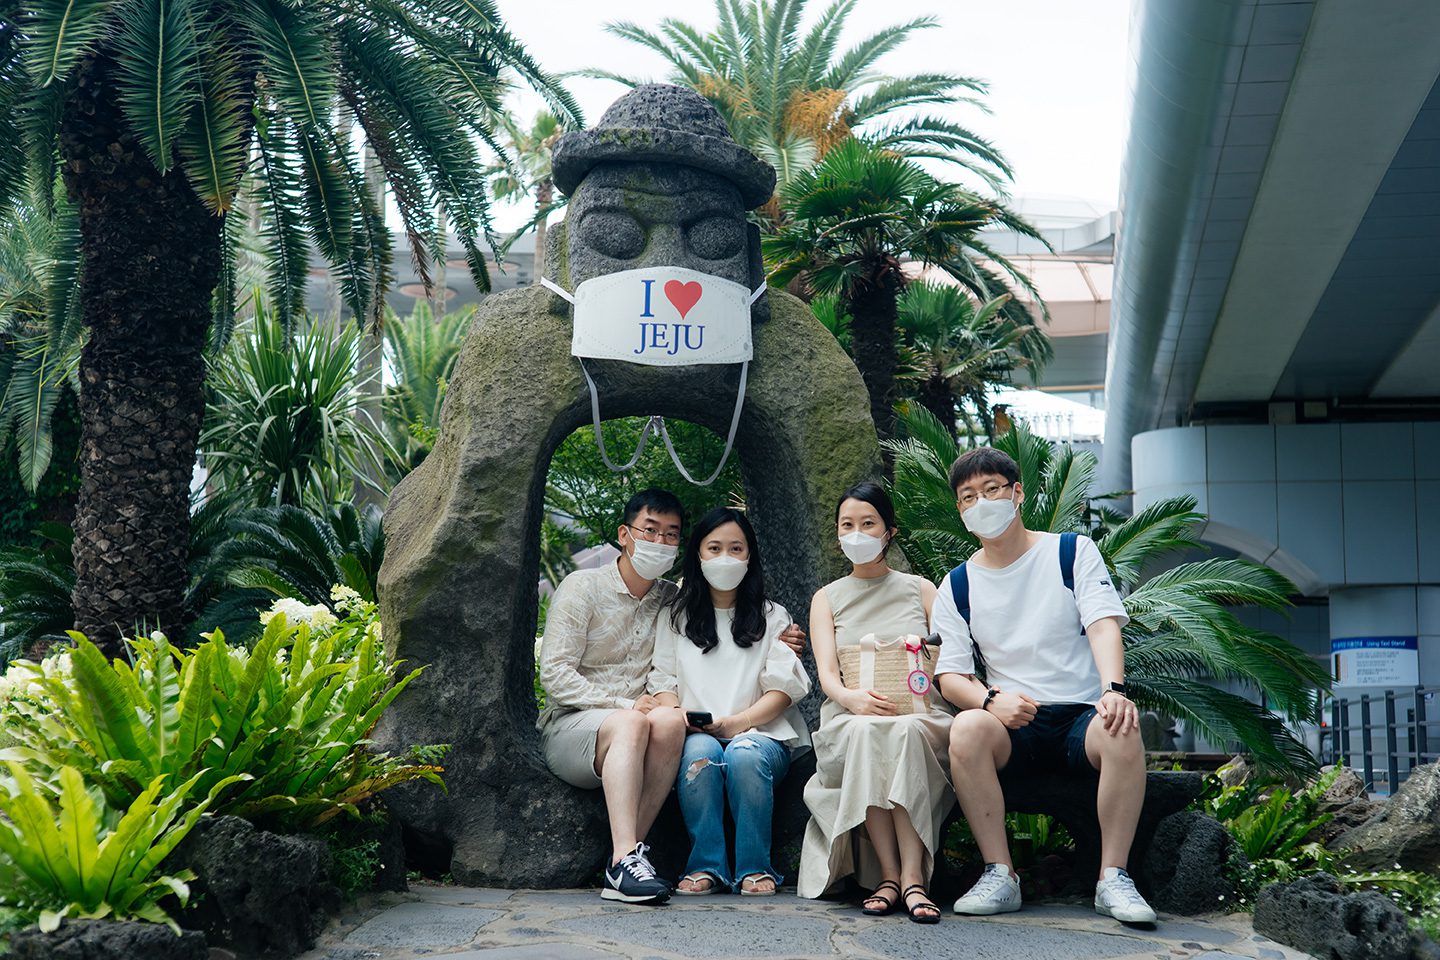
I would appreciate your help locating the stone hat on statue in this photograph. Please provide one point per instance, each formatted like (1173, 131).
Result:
(662, 123)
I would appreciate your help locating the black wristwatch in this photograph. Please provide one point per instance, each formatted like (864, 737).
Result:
(1119, 688)
(990, 695)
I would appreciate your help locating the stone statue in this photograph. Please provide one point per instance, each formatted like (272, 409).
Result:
(659, 181)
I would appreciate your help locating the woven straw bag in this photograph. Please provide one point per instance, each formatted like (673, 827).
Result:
(901, 668)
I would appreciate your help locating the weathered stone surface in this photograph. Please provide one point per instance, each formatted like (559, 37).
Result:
(260, 892)
(666, 124)
(108, 940)
(1405, 831)
(457, 590)
(1347, 804)
(1316, 915)
(1184, 867)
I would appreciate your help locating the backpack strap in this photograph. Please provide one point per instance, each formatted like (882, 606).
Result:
(1067, 564)
(960, 589)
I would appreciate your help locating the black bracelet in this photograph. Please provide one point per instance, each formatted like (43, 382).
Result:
(990, 694)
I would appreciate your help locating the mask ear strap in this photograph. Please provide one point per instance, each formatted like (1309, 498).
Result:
(653, 425)
(729, 440)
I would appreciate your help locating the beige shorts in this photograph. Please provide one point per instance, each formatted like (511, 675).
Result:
(569, 744)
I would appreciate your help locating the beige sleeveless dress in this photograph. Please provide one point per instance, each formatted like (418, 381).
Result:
(865, 761)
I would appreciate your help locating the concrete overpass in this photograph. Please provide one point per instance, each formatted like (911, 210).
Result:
(1276, 307)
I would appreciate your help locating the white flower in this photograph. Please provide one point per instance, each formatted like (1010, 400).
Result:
(295, 611)
(344, 598)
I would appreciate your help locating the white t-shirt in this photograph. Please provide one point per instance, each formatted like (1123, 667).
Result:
(730, 678)
(1027, 624)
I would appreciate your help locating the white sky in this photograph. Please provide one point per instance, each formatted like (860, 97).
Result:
(1057, 71)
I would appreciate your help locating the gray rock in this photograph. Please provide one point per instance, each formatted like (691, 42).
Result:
(254, 890)
(1405, 831)
(1347, 804)
(1184, 867)
(457, 590)
(421, 926)
(661, 123)
(1316, 915)
(108, 940)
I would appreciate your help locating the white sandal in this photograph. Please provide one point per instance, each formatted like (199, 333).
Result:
(755, 878)
(696, 878)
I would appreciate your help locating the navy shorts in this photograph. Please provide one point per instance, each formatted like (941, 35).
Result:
(1054, 740)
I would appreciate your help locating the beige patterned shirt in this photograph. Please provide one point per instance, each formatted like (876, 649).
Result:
(598, 642)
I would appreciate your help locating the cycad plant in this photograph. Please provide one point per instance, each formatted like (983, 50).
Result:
(155, 111)
(953, 350)
(286, 421)
(790, 94)
(853, 224)
(292, 552)
(1182, 634)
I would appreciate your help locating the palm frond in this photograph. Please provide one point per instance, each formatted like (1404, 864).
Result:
(158, 77)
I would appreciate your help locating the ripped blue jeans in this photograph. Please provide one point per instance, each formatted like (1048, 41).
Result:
(743, 773)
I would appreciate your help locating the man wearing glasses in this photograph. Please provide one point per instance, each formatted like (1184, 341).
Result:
(600, 728)
(1045, 623)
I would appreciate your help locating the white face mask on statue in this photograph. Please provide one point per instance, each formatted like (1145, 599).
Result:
(651, 560)
(724, 573)
(987, 519)
(861, 547)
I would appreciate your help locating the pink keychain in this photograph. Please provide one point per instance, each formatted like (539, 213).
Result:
(919, 683)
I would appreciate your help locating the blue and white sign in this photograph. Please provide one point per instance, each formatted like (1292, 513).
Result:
(1376, 661)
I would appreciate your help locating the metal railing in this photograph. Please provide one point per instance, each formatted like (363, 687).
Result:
(1382, 736)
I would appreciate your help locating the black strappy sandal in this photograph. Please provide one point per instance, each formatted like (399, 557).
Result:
(890, 905)
(911, 908)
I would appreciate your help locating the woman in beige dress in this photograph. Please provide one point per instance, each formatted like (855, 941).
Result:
(879, 794)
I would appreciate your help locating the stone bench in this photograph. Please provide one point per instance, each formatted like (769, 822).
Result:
(1071, 800)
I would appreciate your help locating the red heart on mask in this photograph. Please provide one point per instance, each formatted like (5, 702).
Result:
(683, 295)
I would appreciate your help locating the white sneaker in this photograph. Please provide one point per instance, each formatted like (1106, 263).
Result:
(995, 892)
(1116, 896)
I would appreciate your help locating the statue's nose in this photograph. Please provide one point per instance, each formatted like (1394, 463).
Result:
(666, 243)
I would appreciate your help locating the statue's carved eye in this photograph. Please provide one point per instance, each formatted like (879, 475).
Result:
(613, 233)
(716, 238)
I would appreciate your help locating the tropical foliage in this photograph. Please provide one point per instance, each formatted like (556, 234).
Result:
(286, 421)
(953, 351)
(853, 224)
(529, 152)
(292, 552)
(421, 349)
(65, 853)
(35, 587)
(291, 716)
(791, 94)
(1183, 634)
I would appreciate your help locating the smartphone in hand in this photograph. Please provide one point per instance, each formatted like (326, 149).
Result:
(698, 718)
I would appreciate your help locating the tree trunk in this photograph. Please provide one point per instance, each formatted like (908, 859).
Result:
(150, 259)
(935, 396)
(872, 336)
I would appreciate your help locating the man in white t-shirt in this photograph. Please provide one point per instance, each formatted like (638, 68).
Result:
(1045, 618)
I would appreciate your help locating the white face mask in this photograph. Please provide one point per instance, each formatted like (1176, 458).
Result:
(861, 547)
(987, 519)
(652, 560)
(724, 573)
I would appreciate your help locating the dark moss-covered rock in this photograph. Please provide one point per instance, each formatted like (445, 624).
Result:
(1187, 864)
(108, 940)
(1316, 915)
(262, 893)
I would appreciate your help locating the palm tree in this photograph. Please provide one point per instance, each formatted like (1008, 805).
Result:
(1182, 634)
(853, 223)
(790, 95)
(154, 110)
(528, 172)
(954, 351)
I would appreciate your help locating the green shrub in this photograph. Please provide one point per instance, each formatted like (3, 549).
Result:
(72, 855)
(293, 715)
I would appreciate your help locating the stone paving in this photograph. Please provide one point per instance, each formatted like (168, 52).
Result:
(461, 923)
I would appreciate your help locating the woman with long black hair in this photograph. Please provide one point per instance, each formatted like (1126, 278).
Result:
(719, 651)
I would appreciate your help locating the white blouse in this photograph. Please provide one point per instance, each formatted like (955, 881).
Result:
(731, 678)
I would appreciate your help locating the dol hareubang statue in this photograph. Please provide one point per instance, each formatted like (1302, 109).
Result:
(658, 182)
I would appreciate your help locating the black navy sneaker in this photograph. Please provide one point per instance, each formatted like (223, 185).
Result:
(633, 880)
